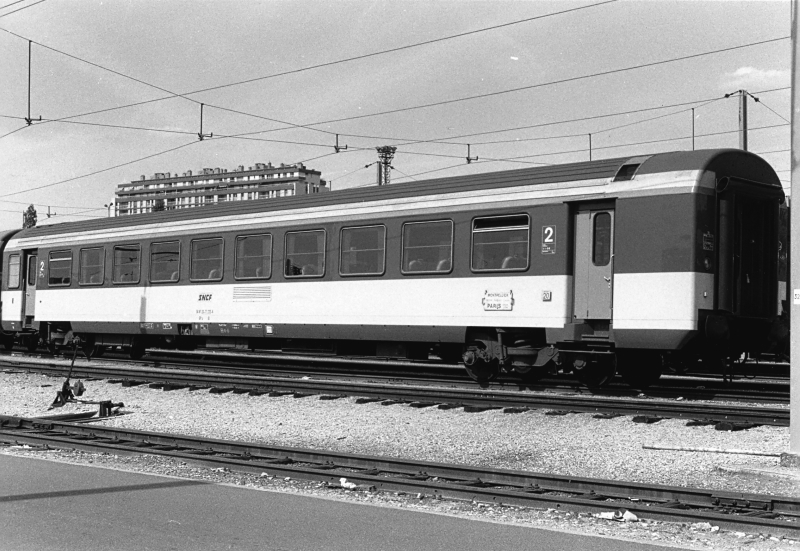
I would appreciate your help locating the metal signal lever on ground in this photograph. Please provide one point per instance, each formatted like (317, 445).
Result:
(68, 392)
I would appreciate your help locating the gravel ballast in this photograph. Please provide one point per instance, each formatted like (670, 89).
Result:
(574, 444)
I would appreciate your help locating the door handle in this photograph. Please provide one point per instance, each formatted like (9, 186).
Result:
(608, 279)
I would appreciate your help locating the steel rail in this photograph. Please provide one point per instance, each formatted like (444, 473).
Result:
(686, 387)
(667, 387)
(434, 395)
(732, 510)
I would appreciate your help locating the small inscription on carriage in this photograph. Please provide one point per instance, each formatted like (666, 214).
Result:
(498, 300)
(708, 241)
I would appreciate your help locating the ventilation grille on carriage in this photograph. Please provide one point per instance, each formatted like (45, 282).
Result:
(252, 293)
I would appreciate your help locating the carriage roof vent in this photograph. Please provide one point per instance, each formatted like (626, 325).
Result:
(628, 169)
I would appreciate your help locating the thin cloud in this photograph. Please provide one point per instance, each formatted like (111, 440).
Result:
(751, 77)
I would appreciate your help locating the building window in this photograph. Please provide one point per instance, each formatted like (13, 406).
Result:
(206, 260)
(363, 251)
(13, 271)
(253, 257)
(305, 254)
(427, 247)
(60, 267)
(91, 266)
(127, 260)
(165, 262)
(500, 243)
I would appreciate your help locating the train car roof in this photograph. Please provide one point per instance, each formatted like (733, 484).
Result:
(724, 162)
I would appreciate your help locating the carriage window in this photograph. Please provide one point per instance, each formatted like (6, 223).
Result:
(427, 247)
(60, 266)
(206, 260)
(13, 271)
(363, 251)
(91, 263)
(253, 257)
(165, 261)
(500, 243)
(127, 259)
(305, 254)
(601, 248)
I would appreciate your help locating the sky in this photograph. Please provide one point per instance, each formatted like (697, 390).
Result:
(119, 84)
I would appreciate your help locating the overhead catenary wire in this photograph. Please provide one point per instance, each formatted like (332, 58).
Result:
(444, 140)
(11, 4)
(758, 100)
(444, 102)
(519, 159)
(52, 184)
(140, 81)
(20, 9)
(327, 145)
(554, 82)
(585, 149)
(303, 69)
(523, 88)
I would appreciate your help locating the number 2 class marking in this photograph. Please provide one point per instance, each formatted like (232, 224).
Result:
(548, 239)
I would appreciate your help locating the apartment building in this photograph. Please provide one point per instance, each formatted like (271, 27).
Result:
(165, 191)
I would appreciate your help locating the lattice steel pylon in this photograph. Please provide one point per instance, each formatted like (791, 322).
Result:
(385, 156)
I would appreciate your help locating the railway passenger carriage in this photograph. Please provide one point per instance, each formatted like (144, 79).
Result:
(596, 267)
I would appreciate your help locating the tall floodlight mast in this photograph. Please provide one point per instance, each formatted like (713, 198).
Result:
(385, 156)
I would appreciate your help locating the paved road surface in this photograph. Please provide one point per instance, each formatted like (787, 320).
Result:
(46, 505)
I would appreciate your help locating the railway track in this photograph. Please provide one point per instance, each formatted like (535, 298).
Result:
(429, 395)
(777, 515)
(694, 387)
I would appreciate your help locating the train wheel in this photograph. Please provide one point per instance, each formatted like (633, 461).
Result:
(90, 350)
(52, 347)
(137, 350)
(32, 342)
(640, 369)
(591, 372)
(483, 371)
(8, 342)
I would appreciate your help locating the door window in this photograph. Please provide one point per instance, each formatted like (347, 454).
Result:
(601, 247)
(32, 271)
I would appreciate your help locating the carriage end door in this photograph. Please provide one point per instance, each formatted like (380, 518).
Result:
(30, 275)
(594, 263)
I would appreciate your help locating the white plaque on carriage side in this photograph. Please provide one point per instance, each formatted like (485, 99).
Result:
(498, 300)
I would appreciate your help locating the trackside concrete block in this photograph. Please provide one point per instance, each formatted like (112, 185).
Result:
(790, 460)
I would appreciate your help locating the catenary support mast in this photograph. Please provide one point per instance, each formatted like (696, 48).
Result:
(793, 457)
